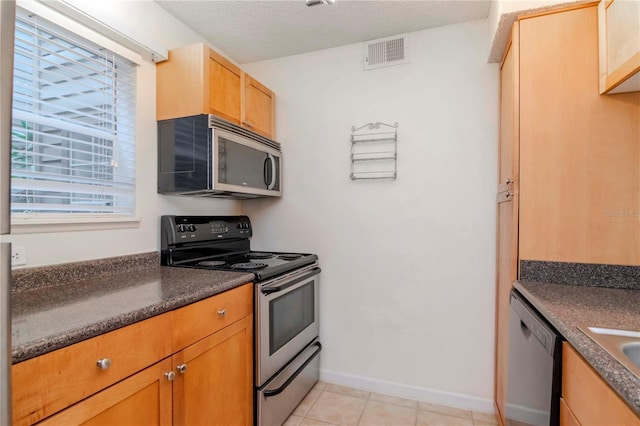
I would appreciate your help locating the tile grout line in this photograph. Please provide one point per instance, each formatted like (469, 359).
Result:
(364, 408)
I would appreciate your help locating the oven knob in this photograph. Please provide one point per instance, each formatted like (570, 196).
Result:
(180, 228)
(192, 228)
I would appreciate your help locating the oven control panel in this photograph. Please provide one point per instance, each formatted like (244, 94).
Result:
(185, 229)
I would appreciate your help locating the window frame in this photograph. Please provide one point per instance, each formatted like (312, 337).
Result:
(56, 222)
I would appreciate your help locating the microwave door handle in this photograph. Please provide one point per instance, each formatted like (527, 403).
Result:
(272, 184)
(265, 171)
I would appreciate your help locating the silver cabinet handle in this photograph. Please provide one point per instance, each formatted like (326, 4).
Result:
(104, 363)
(508, 181)
(182, 368)
(170, 375)
(222, 312)
(249, 125)
(509, 194)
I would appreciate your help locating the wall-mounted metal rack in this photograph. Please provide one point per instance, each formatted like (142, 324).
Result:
(373, 152)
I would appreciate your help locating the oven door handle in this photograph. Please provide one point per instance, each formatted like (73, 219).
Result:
(266, 290)
(278, 391)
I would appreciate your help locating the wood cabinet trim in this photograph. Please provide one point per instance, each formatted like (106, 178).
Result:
(507, 208)
(622, 73)
(556, 9)
(212, 54)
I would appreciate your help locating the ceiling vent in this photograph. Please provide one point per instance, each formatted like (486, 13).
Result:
(385, 52)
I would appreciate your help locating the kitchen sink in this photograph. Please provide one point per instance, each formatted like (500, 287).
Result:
(632, 351)
(623, 345)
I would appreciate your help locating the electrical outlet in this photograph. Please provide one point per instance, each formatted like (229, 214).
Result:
(18, 256)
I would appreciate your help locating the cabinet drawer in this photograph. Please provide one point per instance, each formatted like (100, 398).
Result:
(142, 399)
(51, 382)
(581, 386)
(197, 321)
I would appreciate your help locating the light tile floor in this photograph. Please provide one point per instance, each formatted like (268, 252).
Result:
(329, 404)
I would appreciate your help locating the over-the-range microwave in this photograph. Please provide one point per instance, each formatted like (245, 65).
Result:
(206, 156)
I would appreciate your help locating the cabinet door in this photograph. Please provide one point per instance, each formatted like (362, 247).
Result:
(258, 107)
(507, 213)
(619, 30)
(181, 88)
(215, 386)
(224, 88)
(579, 151)
(590, 399)
(143, 399)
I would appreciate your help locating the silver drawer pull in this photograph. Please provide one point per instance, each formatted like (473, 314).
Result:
(170, 375)
(104, 363)
(182, 368)
(508, 194)
(222, 312)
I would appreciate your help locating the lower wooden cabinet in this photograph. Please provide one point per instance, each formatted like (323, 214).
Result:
(587, 397)
(51, 382)
(207, 379)
(143, 399)
(215, 387)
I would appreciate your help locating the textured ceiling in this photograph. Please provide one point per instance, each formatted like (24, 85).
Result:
(252, 30)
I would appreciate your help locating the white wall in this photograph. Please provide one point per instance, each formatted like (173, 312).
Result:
(51, 247)
(407, 296)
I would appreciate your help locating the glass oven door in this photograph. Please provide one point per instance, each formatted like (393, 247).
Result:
(286, 320)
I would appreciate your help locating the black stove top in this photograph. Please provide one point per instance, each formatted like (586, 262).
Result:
(263, 266)
(222, 243)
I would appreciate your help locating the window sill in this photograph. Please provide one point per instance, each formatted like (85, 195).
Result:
(38, 225)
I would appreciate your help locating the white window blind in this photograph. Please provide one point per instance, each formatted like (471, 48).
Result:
(73, 133)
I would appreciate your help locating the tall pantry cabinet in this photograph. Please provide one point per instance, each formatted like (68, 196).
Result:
(569, 188)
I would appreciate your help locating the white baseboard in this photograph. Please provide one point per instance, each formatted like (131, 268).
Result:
(432, 396)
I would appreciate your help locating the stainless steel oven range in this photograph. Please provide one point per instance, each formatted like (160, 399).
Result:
(286, 332)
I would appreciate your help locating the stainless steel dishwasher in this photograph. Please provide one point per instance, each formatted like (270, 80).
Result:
(534, 367)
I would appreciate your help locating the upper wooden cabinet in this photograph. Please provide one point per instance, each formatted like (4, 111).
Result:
(258, 108)
(619, 41)
(579, 153)
(197, 80)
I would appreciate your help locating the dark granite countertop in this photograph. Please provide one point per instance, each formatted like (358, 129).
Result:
(568, 306)
(49, 318)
